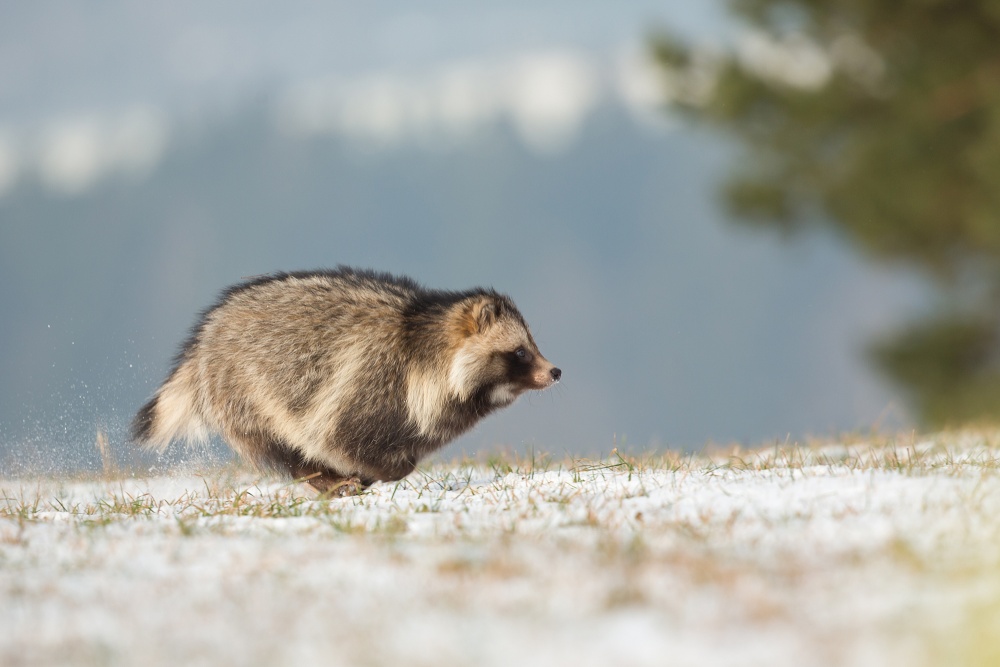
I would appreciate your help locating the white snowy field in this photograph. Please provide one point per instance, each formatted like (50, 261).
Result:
(877, 553)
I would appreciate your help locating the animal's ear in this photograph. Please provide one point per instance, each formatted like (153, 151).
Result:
(480, 316)
(487, 315)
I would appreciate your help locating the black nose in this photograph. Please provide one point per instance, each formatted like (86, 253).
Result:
(556, 374)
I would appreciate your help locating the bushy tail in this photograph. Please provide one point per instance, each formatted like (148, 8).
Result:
(173, 413)
(142, 424)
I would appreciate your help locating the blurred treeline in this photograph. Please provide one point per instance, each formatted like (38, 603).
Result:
(880, 119)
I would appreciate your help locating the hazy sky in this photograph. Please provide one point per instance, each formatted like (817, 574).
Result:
(72, 57)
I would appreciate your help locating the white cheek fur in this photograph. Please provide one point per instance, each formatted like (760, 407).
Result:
(502, 394)
(460, 376)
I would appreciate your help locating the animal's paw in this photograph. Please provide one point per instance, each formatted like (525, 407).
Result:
(341, 488)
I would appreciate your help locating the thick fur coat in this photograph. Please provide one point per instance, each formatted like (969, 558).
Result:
(343, 377)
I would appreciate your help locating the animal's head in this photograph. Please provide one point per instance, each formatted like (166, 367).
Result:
(496, 352)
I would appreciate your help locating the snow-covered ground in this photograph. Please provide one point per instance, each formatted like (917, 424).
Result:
(876, 553)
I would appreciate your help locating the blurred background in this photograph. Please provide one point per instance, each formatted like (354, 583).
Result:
(740, 221)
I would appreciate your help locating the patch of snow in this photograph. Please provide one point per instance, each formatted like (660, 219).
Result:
(823, 560)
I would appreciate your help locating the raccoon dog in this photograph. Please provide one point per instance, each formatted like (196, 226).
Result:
(345, 377)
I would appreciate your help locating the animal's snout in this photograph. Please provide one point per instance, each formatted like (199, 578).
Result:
(556, 374)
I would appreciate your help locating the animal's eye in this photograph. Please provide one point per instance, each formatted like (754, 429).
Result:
(521, 353)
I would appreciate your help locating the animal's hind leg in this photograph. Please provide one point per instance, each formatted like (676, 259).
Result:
(325, 480)
(332, 485)
(266, 453)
